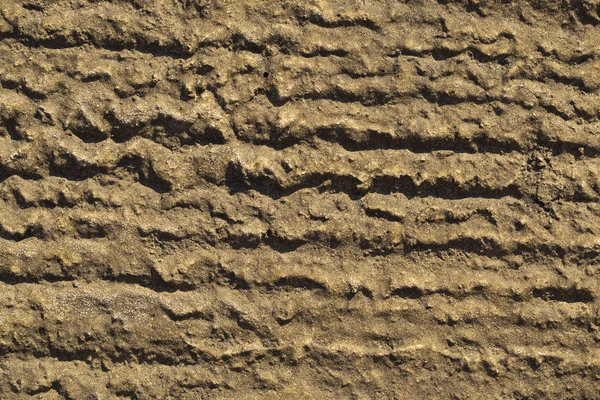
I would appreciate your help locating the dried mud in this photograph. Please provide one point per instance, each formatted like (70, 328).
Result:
(314, 199)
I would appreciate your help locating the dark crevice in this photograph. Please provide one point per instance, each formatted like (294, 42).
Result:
(382, 214)
(299, 282)
(566, 295)
(12, 279)
(281, 245)
(192, 315)
(321, 52)
(408, 292)
(152, 281)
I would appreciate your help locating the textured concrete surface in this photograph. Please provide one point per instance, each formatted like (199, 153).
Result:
(299, 199)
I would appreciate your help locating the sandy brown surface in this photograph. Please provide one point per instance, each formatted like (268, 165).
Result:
(299, 200)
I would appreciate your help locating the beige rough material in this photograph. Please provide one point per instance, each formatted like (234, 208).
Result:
(299, 199)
